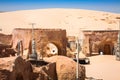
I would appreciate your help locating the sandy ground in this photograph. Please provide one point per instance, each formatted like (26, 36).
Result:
(73, 20)
(104, 67)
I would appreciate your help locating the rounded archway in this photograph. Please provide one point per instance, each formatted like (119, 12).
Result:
(51, 48)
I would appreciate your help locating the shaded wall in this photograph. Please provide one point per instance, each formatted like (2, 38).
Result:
(5, 44)
(5, 39)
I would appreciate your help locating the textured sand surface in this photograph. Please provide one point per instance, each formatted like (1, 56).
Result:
(70, 19)
(104, 67)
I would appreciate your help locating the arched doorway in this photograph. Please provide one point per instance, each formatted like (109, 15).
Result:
(51, 48)
(107, 49)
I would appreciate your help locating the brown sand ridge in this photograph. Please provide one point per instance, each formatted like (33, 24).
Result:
(70, 19)
(17, 68)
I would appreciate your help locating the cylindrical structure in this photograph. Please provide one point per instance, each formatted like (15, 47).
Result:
(18, 53)
(33, 56)
(119, 37)
(77, 56)
(118, 53)
(19, 48)
(33, 47)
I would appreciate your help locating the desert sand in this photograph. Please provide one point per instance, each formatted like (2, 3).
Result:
(104, 67)
(73, 20)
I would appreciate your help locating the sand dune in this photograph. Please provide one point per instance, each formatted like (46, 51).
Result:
(70, 19)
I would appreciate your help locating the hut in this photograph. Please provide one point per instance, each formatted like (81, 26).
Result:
(99, 41)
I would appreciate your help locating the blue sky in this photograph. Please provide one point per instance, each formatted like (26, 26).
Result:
(100, 5)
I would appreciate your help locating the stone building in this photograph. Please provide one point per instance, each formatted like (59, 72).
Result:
(5, 39)
(5, 45)
(49, 40)
(96, 41)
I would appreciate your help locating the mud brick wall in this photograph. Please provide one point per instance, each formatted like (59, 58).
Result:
(5, 39)
(5, 42)
(42, 37)
(96, 41)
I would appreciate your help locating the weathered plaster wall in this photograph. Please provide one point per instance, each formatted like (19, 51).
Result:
(42, 38)
(96, 41)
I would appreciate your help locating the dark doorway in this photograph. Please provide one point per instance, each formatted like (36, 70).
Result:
(107, 49)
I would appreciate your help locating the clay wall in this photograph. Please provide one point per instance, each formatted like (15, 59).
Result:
(5, 44)
(42, 37)
(5, 39)
(99, 41)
